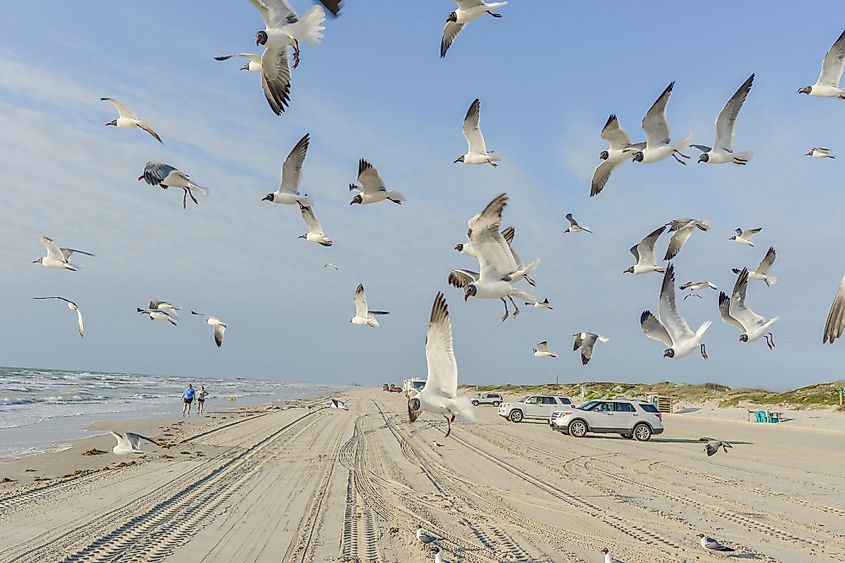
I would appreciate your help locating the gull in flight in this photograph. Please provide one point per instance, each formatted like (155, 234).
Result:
(508, 233)
(129, 443)
(542, 350)
(164, 306)
(574, 227)
(819, 152)
(73, 307)
(544, 304)
(744, 236)
(127, 118)
(253, 63)
(827, 86)
(166, 176)
(372, 188)
(468, 10)
(363, 315)
(315, 231)
(683, 228)
(158, 315)
(644, 254)
(658, 141)
(722, 150)
(283, 29)
(710, 544)
(586, 341)
(671, 328)
(712, 446)
(762, 271)
(835, 324)
(752, 325)
(440, 394)
(218, 327)
(618, 152)
(338, 404)
(477, 152)
(288, 192)
(58, 257)
(608, 558)
(425, 537)
(695, 286)
(331, 265)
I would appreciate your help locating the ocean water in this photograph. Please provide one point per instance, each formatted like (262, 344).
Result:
(43, 409)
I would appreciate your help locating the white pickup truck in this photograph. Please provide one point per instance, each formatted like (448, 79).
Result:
(533, 406)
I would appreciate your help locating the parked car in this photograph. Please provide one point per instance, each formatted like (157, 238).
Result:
(629, 418)
(412, 386)
(395, 389)
(385, 387)
(494, 399)
(533, 406)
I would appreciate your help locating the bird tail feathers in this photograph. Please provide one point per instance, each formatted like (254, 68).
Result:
(683, 143)
(703, 328)
(465, 413)
(200, 189)
(305, 201)
(396, 196)
(745, 156)
(771, 280)
(310, 27)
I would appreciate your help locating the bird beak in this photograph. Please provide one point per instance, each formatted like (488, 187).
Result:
(457, 160)
(458, 247)
(268, 197)
(36, 261)
(245, 67)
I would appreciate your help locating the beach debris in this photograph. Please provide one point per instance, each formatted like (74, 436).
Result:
(94, 451)
(7, 480)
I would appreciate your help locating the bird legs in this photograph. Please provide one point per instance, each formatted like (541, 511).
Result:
(295, 53)
(449, 421)
(692, 294)
(740, 161)
(675, 154)
(703, 351)
(495, 15)
(491, 163)
(770, 340)
(185, 198)
(507, 313)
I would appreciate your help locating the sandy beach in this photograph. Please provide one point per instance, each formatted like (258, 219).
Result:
(301, 482)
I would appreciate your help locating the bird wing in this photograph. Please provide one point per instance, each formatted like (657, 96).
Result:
(462, 278)
(275, 13)
(767, 261)
(654, 329)
(745, 316)
(79, 323)
(67, 252)
(508, 234)
(614, 134)
(135, 440)
(122, 441)
(579, 338)
(122, 110)
(587, 344)
(654, 123)
(442, 368)
(361, 302)
(571, 220)
(53, 251)
(726, 122)
(156, 172)
(292, 166)
(369, 177)
(644, 251)
(725, 311)
(332, 6)
(275, 77)
(495, 258)
(835, 324)
(671, 318)
(467, 4)
(310, 220)
(834, 61)
(702, 148)
(451, 31)
(677, 241)
(146, 127)
(711, 448)
(250, 56)
(472, 129)
(748, 233)
(218, 331)
(542, 346)
(601, 175)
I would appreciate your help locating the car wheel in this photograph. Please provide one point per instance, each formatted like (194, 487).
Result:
(627, 436)
(475, 403)
(642, 432)
(577, 428)
(496, 403)
(515, 416)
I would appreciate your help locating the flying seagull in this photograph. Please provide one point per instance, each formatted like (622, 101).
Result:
(372, 188)
(477, 152)
(712, 446)
(744, 236)
(288, 192)
(338, 404)
(284, 29)
(658, 142)
(425, 537)
(542, 350)
(73, 307)
(315, 231)
(158, 315)
(762, 271)
(835, 324)
(164, 306)
(253, 63)
(618, 152)
(710, 544)
(58, 257)
(129, 443)
(683, 228)
(468, 10)
(508, 234)
(166, 176)
(218, 327)
(644, 254)
(544, 304)
(819, 152)
(722, 150)
(827, 86)
(695, 286)
(127, 118)
(363, 315)
(586, 341)
(331, 265)
(671, 328)
(440, 394)
(574, 227)
(608, 558)
(752, 325)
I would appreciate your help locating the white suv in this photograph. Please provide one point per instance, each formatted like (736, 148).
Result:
(629, 418)
(494, 399)
(533, 406)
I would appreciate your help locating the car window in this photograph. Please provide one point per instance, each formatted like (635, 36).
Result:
(603, 407)
(532, 400)
(648, 408)
(549, 400)
(624, 407)
(565, 400)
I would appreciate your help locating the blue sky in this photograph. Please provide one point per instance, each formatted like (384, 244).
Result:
(378, 90)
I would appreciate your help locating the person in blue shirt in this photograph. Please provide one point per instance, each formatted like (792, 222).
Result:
(188, 398)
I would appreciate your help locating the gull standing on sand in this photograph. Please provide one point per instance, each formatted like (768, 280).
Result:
(608, 558)
(73, 307)
(753, 326)
(315, 231)
(827, 86)
(338, 404)
(694, 287)
(218, 327)
(372, 188)
(712, 446)
(424, 536)
(574, 227)
(253, 63)
(130, 443)
(440, 394)
(158, 315)
(683, 228)
(744, 236)
(363, 315)
(671, 328)
(618, 152)
(762, 271)
(468, 10)
(711, 544)
(477, 152)
(819, 152)
(644, 254)
(542, 350)
(658, 141)
(57, 258)
(722, 150)
(438, 556)
(586, 341)
(291, 171)
(127, 118)
(835, 324)
(167, 176)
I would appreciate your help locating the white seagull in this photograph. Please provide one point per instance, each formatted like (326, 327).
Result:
(338, 404)
(129, 443)
(165, 306)
(671, 328)
(440, 394)
(253, 63)
(722, 150)
(288, 192)
(608, 558)
(819, 152)
(315, 231)
(438, 556)
(835, 324)
(618, 152)
(712, 446)
(658, 141)
(58, 257)
(544, 304)
(425, 537)
(73, 307)
(159, 315)
(586, 341)
(695, 286)
(363, 315)
(752, 325)
(644, 254)
(218, 327)
(827, 86)
(477, 152)
(710, 544)
(127, 118)
(331, 265)
(468, 10)
(167, 176)
(762, 271)
(372, 188)
(683, 228)
(744, 236)
(508, 233)
(542, 350)
(574, 227)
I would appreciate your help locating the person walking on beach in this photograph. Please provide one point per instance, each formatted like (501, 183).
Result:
(188, 398)
(201, 396)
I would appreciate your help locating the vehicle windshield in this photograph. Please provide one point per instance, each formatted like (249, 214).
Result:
(418, 384)
(522, 400)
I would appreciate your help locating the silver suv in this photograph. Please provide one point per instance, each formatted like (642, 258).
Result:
(628, 418)
(494, 399)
